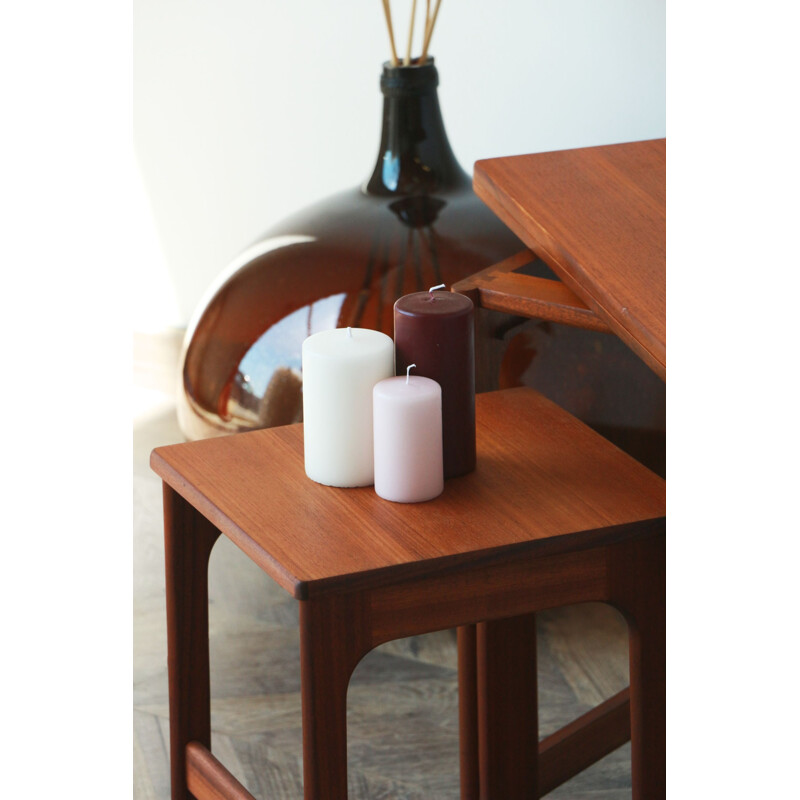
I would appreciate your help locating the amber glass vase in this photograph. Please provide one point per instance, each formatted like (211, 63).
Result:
(414, 224)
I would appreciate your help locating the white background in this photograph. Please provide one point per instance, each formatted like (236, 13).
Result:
(246, 110)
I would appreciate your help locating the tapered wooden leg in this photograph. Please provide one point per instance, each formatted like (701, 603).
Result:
(188, 539)
(639, 588)
(332, 641)
(468, 712)
(508, 721)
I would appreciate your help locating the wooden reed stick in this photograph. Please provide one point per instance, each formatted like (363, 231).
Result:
(429, 32)
(427, 22)
(407, 60)
(387, 11)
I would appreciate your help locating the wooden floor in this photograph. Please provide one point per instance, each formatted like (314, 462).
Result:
(402, 703)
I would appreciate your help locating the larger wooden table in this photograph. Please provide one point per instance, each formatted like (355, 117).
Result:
(553, 515)
(597, 217)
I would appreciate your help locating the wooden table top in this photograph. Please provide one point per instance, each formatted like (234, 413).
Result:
(597, 216)
(543, 480)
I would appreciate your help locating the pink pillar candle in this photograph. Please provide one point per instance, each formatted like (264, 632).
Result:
(407, 419)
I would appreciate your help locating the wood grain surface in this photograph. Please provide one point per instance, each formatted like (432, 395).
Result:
(597, 216)
(542, 478)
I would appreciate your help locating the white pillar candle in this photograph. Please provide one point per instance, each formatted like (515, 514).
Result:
(407, 416)
(340, 367)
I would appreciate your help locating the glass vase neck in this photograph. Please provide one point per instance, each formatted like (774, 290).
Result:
(414, 156)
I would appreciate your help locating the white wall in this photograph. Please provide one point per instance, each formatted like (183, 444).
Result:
(246, 110)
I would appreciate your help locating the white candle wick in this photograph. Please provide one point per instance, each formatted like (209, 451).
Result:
(349, 333)
(433, 288)
(408, 372)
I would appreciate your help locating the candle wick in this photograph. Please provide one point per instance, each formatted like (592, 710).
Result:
(431, 290)
(349, 333)
(408, 372)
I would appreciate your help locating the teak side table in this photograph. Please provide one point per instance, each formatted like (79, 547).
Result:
(553, 515)
(597, 217)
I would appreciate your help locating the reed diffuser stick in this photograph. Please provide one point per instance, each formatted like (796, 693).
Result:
(429, 33)
(387, 11)
(407, 60)
(427, 20)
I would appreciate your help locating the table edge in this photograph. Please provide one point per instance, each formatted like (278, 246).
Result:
(170, 476)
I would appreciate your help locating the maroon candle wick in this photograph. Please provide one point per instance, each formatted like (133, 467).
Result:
(431, 295)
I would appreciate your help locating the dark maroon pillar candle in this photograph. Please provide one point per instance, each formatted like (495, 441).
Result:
(435, 331)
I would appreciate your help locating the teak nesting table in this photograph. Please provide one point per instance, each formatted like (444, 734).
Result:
(553, 515)
(597, 217)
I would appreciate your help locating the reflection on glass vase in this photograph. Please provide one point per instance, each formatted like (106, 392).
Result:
(415, 223)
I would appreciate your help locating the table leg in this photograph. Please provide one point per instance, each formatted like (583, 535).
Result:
(468, 712)
(508, 722)
(333, 639)
(188, 539)
(639, 588)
